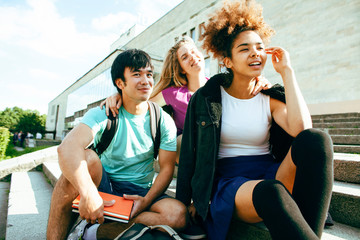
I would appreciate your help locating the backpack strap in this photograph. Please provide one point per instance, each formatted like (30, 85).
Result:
(138, 230)
(155, 126)
(168, 229)
(112, 125)
(108, 134)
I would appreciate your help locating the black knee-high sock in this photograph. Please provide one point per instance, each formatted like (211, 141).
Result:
(280, 213)
(312, 153)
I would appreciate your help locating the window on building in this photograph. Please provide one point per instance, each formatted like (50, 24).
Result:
(201, 29)
(192, 34)
(184, 34)
(98, 88)
(52, 110)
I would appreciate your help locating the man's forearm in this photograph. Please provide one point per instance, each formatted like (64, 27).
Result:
(160, 184)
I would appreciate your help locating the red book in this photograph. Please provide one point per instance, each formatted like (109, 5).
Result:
(120, 211)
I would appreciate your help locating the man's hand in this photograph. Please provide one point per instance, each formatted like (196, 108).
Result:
(91, 208)
(140, 204)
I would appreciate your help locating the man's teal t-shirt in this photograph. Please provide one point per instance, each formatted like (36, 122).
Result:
(130, 155)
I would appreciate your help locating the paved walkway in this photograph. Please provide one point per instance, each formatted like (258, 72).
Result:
(19, 149)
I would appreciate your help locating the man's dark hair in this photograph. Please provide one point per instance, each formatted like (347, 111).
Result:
(132, 58)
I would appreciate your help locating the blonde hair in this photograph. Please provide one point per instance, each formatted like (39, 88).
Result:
(171, 74)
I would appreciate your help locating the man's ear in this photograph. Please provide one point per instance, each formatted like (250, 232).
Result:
(227, 62)
(119, 83)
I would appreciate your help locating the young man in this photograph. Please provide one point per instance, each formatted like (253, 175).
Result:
(125, 166)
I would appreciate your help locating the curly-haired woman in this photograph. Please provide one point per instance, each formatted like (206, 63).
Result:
(254, 158)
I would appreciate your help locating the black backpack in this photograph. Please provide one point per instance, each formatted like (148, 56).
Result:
(112, 126)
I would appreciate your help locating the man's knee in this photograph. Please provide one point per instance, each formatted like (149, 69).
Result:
(92, 158)
(175, 213)
(179, 213)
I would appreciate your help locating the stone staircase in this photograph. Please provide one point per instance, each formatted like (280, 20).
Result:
(24, 200)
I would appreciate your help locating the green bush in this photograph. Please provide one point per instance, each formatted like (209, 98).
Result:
(4, 141)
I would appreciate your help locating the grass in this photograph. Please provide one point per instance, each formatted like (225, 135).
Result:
(11, 152)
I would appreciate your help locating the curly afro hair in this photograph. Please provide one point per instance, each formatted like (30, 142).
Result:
(226, 23)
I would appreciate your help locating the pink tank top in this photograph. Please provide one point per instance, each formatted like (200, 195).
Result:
(178, 98)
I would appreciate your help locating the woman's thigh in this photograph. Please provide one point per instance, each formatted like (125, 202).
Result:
(286, 172)
(244, 207)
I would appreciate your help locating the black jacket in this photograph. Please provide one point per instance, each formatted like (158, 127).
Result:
(201, 138)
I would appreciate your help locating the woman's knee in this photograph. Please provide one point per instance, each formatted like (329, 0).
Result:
(312, 145)
(269, 189)
(269, 193)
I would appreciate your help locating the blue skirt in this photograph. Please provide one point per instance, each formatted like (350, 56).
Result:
(231, 173)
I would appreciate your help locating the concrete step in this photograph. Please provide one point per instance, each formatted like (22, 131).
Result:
(28, 207)
(343, 131)
(347, 148)
(347, 167)
(52, 171)
(345, 203)
(338, 115)
(346, 139)
(245, 231)
(330, 120)
(337, 125)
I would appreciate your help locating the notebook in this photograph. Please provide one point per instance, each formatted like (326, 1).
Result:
(120, 211)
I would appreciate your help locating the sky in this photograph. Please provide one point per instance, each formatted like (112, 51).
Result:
(46, 45)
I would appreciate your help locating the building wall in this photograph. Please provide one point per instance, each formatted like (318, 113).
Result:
(126, 37)
(321, 36)
(323, 40)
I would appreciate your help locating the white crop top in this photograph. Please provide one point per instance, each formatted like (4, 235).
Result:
(245, 125)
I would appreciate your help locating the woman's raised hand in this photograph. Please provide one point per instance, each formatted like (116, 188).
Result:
(280, 58)
(113, 103)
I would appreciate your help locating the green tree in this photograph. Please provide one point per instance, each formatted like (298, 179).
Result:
(17, 119)
(9, 118)
(31, 121)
